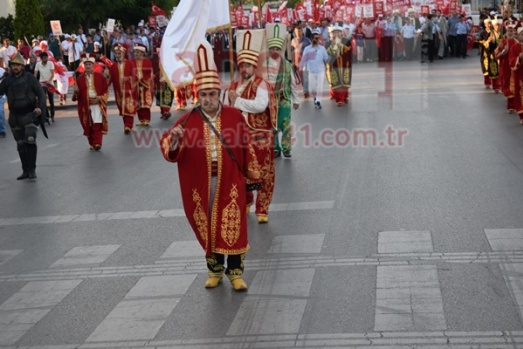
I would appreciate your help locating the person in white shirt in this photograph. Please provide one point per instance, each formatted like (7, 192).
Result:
(408, 32)
(74, 49)
(44, 72)
(7, 52)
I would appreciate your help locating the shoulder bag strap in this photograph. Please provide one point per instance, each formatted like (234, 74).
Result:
(231, 154)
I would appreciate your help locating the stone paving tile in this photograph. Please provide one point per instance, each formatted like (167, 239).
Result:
(295, 282)
(85, 255)
(297, 244)
(144, 309)
(263, 315)
(183, 249)
(404, 241)
(29, 305)
(6, 255)
(505, 239)
(408, 298)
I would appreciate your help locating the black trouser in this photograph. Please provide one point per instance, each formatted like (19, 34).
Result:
(461, 45)
(215, 264)
(409, 48)
(431, 49)
(453, 45)
(27, 152)
(424, 50)
(51, 101)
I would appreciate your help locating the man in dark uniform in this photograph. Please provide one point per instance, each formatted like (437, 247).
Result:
(26, 100)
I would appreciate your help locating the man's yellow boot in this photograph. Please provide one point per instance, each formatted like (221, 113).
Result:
(213, 280)
(237, 283)
(262, 218)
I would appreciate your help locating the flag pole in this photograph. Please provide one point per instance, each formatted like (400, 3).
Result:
(231, 52)
(259, 14)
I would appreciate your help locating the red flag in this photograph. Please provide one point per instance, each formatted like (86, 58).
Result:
(106, 61)
(156, 11)
(50, 88)
(269, 15)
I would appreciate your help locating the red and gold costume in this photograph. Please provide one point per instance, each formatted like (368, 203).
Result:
(90, 86)
(489, 41)
(120, 75)
(163, 93)
(505, 73)
(224, 230)
(212, 174)
(144, 86)
(516, 65)
(339, 69)
(254, 94)
(262, 127)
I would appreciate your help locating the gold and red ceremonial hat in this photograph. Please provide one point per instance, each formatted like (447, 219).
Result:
(120, 47)
(88, 57)
(248, 45)
(275, 35)
(140, 47)
(206, 76)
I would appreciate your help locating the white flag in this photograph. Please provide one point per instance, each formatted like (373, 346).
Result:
(186, 28)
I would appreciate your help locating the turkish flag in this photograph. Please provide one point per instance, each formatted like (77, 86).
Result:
(151, 21)
(106, 61)
(156, 11)
(269, 15)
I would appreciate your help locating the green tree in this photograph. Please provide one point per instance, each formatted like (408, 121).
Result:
(6, 27)
(28, 21)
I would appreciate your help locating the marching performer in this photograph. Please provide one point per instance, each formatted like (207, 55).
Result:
(91, 92)
(505, 73)
(211, 145)
(143, 84)
(252, 95)
(163, 92)
(339, 66)
(515, 58)
(120, 75)
(280, 75)
(489, 40)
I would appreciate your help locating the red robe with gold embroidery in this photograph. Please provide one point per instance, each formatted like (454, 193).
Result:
(124, 92)
(143, 82)
(262, 126)
(505, 73)
(516, 65)
(102, 91)
(224, 230)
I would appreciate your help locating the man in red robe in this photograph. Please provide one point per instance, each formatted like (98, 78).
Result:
(91, 92)
(212, 176)
(256, 99)
(515, 58)
(143, 83)
(120, 75)
(505, 73)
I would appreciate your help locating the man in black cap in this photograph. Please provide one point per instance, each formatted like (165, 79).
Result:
(26, 100)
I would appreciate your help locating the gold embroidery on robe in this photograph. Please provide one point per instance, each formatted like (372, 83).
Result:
(231, 218)
(199, 215)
